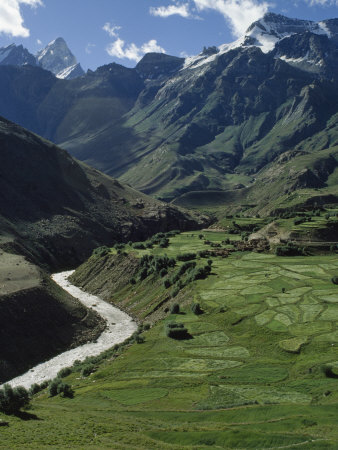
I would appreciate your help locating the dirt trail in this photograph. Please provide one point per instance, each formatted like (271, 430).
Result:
(119, 327)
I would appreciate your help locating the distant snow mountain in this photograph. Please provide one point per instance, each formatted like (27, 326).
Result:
(56, 57)
(16, 56)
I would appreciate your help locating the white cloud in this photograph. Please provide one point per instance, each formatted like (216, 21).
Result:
(322, 2)
(240, 13)
(120, 50)
(89, 48)
(11, 20)
(185, 55)
(112, 30)
(171, 10)
(39, 42)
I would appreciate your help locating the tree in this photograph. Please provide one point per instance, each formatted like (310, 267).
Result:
(57, 386)
(175, 308)
(196, 309)
(12, 400)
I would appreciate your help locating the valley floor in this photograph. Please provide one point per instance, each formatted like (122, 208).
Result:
(260, 370)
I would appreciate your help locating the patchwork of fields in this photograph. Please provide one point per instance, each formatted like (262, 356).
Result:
(260, 371)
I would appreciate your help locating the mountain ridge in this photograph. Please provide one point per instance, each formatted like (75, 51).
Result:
(55, 57)
(210, 122)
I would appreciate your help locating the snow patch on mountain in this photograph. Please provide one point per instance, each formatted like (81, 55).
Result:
(265, 33)
(70, 72)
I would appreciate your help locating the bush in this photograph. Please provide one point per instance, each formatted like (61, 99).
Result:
(119, 246)
(185, 267)
(101, 251)
(199, 273)
(87, 370)
(63, 373)
(299, 221)
(196, 309)
(139, 339)
(12, 400)
(334, 280)
(177, 331)
(164, 243)
(186, 257)
(143, 274)
(65, 390)
(173, 232)
(58, 387)
(34, 389)
(175, 292)
(175, 308)
(163, 273)
(329, 371)
(289, 250)
(138, 246)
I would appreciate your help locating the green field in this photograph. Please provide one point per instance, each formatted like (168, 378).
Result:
(252, 376)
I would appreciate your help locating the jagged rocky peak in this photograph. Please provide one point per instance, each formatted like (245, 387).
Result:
(153, 65)
(57, 58)
(271, 28)
(16, 55)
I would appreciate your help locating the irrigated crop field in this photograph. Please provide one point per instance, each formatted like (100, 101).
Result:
(259, 371)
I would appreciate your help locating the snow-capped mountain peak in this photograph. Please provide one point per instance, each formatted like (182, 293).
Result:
(57, 58)
(267, 33)
(269, 30)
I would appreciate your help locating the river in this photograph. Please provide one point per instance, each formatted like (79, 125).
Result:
(119, 327)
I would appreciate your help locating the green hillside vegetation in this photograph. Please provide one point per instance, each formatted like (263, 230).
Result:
(258, 368)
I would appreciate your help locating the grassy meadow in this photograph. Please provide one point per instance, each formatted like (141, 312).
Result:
(259, 371)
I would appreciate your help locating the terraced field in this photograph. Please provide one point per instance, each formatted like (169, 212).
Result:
(259, 371)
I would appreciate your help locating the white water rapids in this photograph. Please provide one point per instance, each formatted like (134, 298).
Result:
(119, 327)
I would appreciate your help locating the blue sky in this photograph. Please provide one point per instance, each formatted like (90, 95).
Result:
(102, 31)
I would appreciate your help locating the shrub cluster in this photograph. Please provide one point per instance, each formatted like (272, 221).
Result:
(300, 220)
(57, 386)
(175, 278)
(101, 251)
(203, 253)
(186, 257)
(177, 331)
(154, 264)
(36, 388)
(199, 273)
(196, 309)
(289, 249)
(175, 308)
(13, 399)
(160, 239)
(334, 280)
